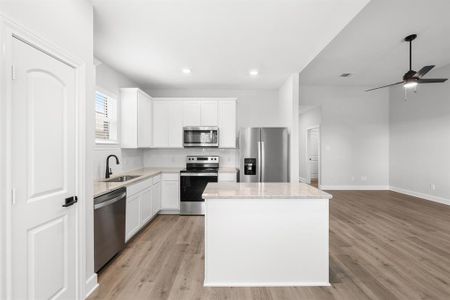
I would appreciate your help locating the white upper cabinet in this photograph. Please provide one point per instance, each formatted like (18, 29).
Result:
(176, 124)
(167, 124)
(191, 113)
(161, 124)
(209, 112)
(170, 115)
(227, 124)
(136, 118)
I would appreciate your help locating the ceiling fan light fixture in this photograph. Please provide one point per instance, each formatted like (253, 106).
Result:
(410, 84)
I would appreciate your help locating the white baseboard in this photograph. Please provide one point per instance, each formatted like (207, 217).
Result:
(169, 212)
(263, 284)
(91, 285)
(421, 195)
(355, 187)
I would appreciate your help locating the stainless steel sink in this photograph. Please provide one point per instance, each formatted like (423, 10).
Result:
(122, 178)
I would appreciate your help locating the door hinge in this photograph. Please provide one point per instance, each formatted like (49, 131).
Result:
(13, 72)
(13, 196)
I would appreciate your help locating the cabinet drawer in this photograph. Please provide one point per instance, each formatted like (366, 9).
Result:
(139, 186)
(170, 176)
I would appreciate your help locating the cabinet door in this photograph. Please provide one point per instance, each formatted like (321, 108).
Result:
(156, 198)
(146, 205)
(175, 124)
(161, 124)
(132, 221)
(191, 113)
(209, 113)
(144, 120)
(227, 124)
(169, 194)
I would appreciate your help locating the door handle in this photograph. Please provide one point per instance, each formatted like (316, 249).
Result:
(70, 201)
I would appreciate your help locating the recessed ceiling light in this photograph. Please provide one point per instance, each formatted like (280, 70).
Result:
(186, 71)
(253, 72)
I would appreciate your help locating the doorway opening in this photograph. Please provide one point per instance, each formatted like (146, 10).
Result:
(313, 156)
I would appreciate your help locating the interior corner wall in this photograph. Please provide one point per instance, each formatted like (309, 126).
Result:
(354, 136)
(69, 25)
(288, 98)
(420, 139)
(110, 81)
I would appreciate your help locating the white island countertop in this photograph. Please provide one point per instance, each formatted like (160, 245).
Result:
(263, 190)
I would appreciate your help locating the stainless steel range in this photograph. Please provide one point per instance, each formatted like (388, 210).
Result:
(199, 171)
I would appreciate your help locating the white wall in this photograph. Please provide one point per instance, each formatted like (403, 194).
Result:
(69, 25)
(354, 135)
(288, 101)
(110, 81)
(307, 119)
(420, 139)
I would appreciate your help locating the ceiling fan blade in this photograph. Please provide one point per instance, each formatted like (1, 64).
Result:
(384, 86)
(432, 80)
(424, 70)
(410, 74)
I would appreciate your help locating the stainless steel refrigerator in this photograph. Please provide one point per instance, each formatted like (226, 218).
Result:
(264, 154)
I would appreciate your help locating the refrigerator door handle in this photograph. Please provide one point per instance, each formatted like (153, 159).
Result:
(262, 161)
(258, 162)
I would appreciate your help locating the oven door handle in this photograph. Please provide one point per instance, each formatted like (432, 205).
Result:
(199, 174)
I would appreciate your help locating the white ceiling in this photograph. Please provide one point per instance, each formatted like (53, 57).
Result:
(372, 48)
(220, 40)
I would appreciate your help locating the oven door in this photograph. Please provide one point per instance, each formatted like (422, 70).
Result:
(192, 186)
(201, 137)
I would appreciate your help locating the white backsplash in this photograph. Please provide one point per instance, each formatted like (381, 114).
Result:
(130, 159)
(177, 157)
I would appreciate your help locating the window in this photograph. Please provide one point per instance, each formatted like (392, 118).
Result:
(105, 119)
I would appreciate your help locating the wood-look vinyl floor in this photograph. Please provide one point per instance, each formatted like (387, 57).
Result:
(383, 245)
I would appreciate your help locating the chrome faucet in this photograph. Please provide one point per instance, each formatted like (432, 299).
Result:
(108, 172)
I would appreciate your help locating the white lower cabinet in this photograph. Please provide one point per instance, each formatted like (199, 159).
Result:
(133, 218)
(156, 197)
(143, 203)
(146, 205)
(170, 193)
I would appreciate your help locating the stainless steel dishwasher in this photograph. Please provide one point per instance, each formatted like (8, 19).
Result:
(109, 226)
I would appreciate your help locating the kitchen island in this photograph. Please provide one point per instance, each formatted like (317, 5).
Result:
(266, 234)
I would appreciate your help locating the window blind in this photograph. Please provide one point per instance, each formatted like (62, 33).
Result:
(103, 122)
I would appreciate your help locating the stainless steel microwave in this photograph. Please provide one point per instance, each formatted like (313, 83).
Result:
(201, 136)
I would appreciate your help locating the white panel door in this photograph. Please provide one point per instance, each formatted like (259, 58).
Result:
(209, 112)
(227, 124)
(156, 198)
(43, 176)
(144, 116)
(176, 124)
(170, 198)
(313, 153)
(161, 124)
(146, 205)
(191, 113)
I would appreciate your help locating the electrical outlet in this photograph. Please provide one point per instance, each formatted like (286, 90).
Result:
(353, 178)
(432, 187)
(363, 178)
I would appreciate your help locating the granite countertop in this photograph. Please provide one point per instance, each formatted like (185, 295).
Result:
(101, 187)
(264, 190)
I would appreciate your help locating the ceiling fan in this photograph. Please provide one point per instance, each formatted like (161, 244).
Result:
(412, 78)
